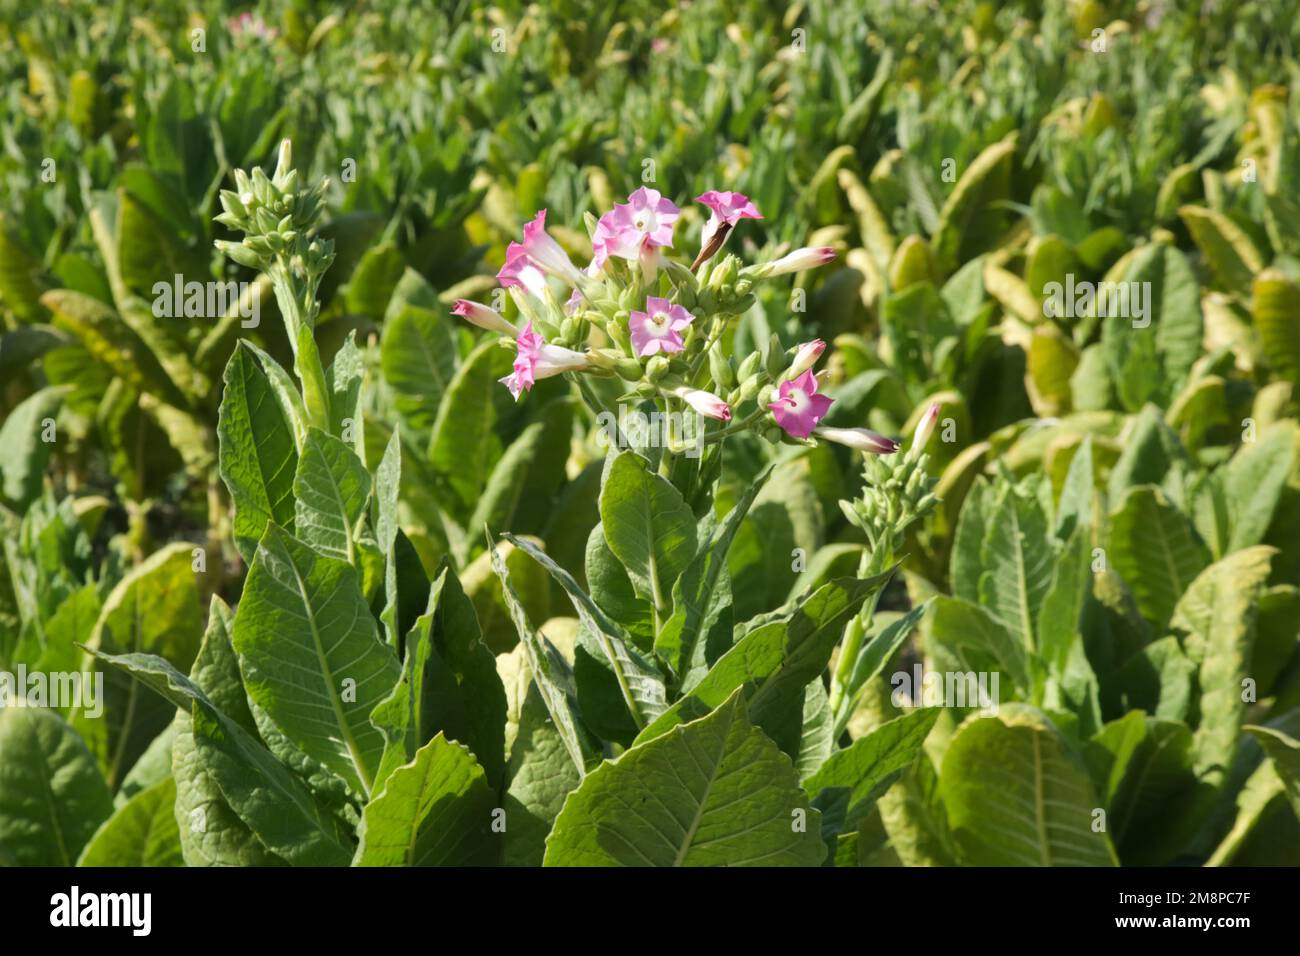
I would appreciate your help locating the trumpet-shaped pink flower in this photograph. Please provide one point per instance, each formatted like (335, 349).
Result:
(706, 403)
(546, 253)
(535, 359)
(485, 317)
(807, 258)
(806, 357)
(862, 439)
(659, 328)
(925, 428)
(628, 230)
(729, 207)
(520, 270)
(726, 209)
(799, 407)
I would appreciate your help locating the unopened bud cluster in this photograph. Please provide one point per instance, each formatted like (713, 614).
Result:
(898, 491)
(277, 218)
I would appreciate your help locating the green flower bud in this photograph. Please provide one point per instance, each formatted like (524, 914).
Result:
(775, 357)
(657, 368)
(720, 367)
(749, 387)
(748, 366)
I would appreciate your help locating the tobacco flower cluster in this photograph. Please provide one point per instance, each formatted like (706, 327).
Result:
(635, 313)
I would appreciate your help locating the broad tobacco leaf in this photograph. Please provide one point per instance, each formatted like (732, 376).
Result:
(713, 792)
(142, 832)
(845, 787)
(1017, 796)
(434, 811)
(648, 525)
(267, 797)
(312, 657)
(52, 795)
(258, 457)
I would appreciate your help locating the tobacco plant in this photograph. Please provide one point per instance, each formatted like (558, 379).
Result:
(362, 691)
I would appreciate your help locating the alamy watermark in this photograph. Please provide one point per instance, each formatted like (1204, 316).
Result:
(680, 432)
(1122, 300)
(207, 300)
(926, 688)
(133, 911)
(59, 690)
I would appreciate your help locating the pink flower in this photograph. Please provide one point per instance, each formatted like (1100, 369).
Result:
(797, 261)
(250, 24)
(644, 222)
(863, 439)
(799, 407)
(658, 330)
(925, 428)
(520, 270)
(484, 317)
(706, 403)
(726, 209)
(659, 45)
(535, 359)
(546, 253)
(806, 357)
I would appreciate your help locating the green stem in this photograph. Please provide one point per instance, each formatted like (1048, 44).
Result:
(731, 429)
(299, 320)
(842, 693)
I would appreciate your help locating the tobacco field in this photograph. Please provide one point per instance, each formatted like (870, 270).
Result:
(844, 434)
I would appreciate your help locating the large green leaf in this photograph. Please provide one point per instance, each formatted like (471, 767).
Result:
(153, 610)
(1017, 558)
(971, 219)
(639, 681)
(1276, 310)
(142, 832)
(1017, 796)
(779, 658)
(312, 657)
(1217, 615)
(210, 832)
(845, 787)
(1253, 483)
(417, 355)
(695, 605)
(1229, 251)
(1284, 750)
(714, 792)
(648, 526)
(27, 436)
(435, 811)
(1071, 683)
(1144, 767)
(1156, 550)
(257, 452)
(976, 641)
(541, 775)
(550, 672)
(330, 488)
(449, 684)
(267, 797)
(52, 795)
(464, 446)
(112, 342)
